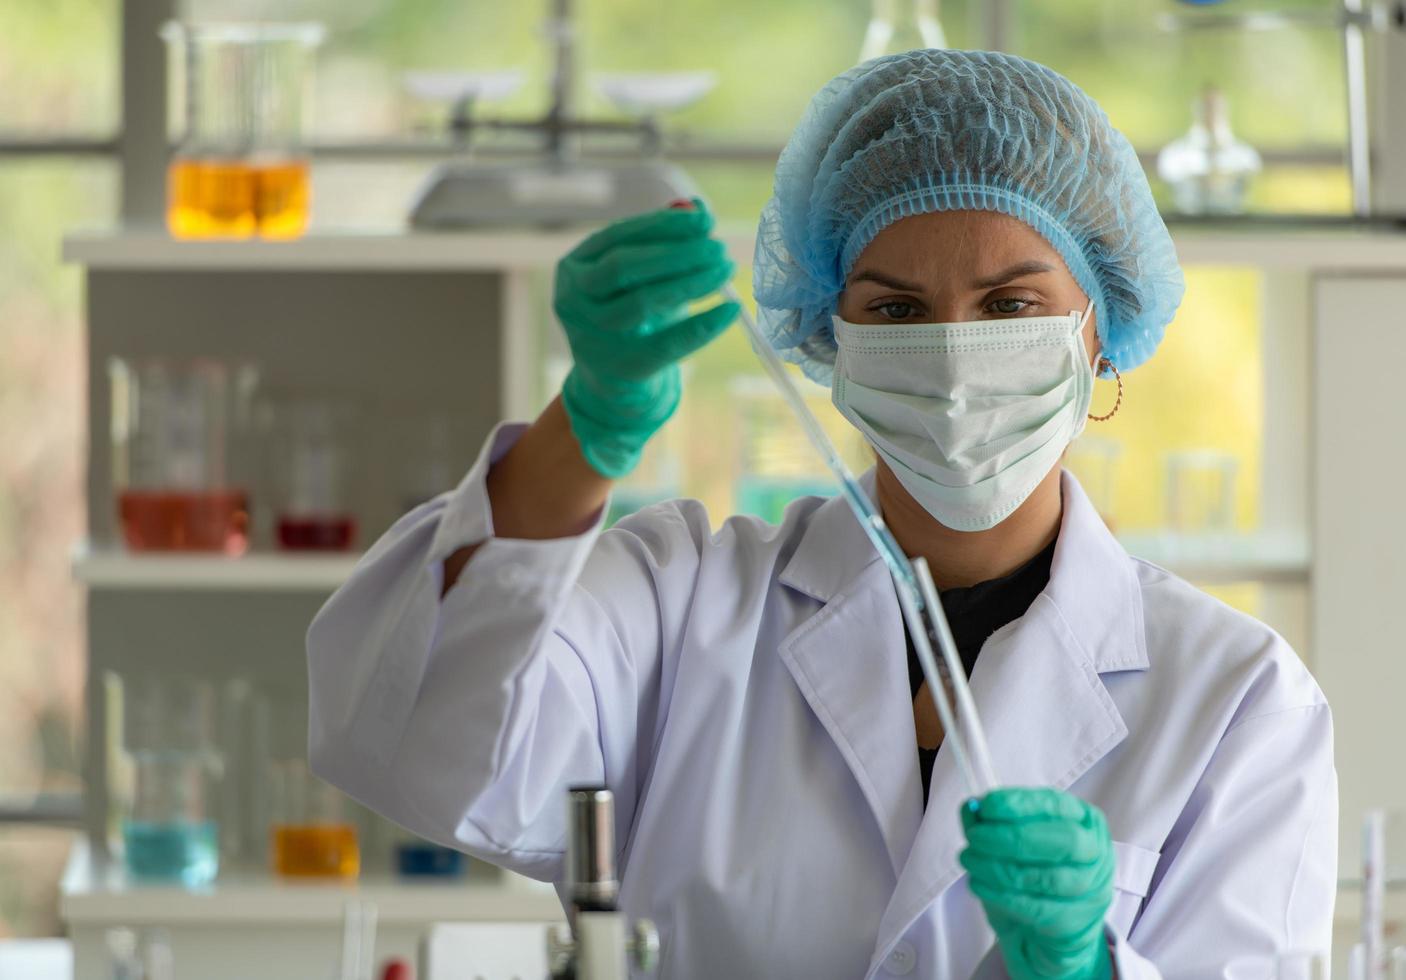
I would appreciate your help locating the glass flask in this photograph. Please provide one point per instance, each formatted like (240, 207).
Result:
(1201, 490)
(169, 789)
(176, 429)
(1209, 169)
(881, 35)
(313, 469)
(312, 835)
(241, 168)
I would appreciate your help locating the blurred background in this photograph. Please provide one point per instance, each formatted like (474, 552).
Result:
(347, 331)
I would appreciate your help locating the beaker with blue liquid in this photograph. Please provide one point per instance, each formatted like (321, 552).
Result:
(168, 786)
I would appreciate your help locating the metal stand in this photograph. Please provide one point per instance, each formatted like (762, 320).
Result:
(558, 188)
(596, 947)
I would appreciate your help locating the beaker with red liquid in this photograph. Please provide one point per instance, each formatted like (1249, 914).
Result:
(176, 425)
(313, 473)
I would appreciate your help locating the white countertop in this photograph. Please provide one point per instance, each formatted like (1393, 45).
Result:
(518, 250)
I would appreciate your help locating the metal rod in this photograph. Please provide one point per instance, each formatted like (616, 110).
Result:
(1358, 144)
(590, 849)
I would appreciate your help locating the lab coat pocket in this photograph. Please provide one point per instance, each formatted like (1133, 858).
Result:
(1131, 877)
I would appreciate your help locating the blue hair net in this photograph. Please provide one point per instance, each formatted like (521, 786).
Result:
(942, 130)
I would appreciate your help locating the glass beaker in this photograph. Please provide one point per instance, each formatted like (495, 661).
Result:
(174, 428)
(172, 773)
(1201, 490)
(312, 446)
(776, 461)
(241, 167)
(1094, 461)
(419, 858)
(169, 833)
(311, 835)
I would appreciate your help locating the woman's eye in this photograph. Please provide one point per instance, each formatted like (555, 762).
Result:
(1010, 305)
(896, 311)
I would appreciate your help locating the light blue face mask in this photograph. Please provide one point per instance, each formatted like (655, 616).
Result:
(969, 416)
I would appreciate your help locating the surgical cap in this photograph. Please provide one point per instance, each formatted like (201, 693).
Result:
(941, 130)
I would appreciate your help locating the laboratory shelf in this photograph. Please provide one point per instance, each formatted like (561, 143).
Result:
(99, 894)
(1208, 559)
(253, 572)
(1204, 559)
(350, 252)
(1226, 243)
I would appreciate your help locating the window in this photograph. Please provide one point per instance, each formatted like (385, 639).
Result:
(42, 423)
(58, 67)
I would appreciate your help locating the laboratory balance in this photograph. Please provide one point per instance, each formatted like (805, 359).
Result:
(556, 187)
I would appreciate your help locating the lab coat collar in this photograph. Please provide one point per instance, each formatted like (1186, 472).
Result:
(1094, 585)
(1037, 684)
(833, 549)
(1093, 581)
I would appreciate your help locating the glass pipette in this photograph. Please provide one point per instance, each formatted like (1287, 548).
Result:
(917, 594)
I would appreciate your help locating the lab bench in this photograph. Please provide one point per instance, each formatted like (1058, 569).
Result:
(454, 322)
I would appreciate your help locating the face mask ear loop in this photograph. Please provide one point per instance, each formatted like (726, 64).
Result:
(1103, 363)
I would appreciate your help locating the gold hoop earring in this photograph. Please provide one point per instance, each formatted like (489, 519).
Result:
(1102, 363)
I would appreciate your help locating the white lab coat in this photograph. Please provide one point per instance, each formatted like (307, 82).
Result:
(745, 694)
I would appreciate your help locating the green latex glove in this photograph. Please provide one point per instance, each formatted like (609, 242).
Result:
(1041, 862)
(621, 296)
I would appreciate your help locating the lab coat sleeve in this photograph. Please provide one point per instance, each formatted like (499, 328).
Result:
(464, 719)
(1250, 869)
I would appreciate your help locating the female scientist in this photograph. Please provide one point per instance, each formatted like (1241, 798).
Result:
(957, 243)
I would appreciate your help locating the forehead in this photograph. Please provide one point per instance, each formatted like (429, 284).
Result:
(955, 243)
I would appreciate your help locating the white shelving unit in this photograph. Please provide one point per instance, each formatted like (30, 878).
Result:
(291, 929)
(1214, 559)
(1209, 559)
(1321, 250)
(254, 572)
(102, 895)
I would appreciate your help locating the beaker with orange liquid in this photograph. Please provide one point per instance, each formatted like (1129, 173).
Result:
(178, 431)
(241, 168)
(311, 834)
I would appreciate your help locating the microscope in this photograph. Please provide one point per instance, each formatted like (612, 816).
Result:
(596, 947)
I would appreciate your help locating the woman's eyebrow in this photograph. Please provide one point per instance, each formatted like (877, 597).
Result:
(1030, 268)
(873, 275)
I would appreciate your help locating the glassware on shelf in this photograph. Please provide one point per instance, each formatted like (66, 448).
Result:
(1209, 169)
(1094, 461)
(313, 467)
(418, 858)
(312, 835)
(130, 957)
(439, 449)
(176, 429)
(776, 463)
(1201, 490)
(241, 168)
(655, 479)
(169, 791)
(879, 35)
